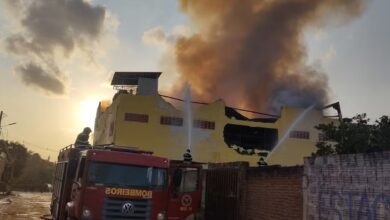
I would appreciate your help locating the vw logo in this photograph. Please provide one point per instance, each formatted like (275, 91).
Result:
(127, 208)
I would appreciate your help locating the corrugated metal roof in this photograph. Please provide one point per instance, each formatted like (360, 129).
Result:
(131, 78)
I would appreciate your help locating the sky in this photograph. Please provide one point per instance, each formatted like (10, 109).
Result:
(111, 36)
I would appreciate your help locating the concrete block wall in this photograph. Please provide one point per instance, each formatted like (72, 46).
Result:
(274, 193)
(347, 187)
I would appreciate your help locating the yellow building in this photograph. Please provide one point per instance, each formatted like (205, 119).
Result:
(139, 117)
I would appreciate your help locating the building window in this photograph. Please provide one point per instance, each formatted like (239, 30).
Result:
(250, 138)
(300, 134)
(204, 124)
(165, 120)
(136, 117)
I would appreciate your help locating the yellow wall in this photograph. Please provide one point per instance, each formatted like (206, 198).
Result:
(207, 145)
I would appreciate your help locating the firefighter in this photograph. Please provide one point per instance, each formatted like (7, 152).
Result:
(187, 156)
(261, 162)
(82, 138)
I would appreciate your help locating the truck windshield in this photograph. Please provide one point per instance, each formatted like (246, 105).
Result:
(108, 174)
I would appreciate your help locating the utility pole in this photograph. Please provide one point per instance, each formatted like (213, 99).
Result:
(1, 117)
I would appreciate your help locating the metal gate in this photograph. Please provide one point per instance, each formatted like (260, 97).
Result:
(225, 191)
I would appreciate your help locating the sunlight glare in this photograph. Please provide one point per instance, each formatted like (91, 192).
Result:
(88, 112)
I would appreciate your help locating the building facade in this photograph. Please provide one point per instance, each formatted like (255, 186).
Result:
(139, 117)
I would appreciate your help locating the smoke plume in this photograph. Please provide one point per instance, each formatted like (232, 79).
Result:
(49, 31)
(251, 53)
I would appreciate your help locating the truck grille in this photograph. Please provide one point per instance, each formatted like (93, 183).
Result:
(139, 209)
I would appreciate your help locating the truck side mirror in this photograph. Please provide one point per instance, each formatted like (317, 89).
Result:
(176, 180)
(78, 184)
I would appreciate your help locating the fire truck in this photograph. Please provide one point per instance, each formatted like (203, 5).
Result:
(111, 182)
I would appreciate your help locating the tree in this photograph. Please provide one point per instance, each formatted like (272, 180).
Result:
(26, 170)
(16, 156)
(355, 135)
(36, 174)
(381, 134)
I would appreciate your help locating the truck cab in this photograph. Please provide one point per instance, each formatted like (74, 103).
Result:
(123, 183)
(185, 190)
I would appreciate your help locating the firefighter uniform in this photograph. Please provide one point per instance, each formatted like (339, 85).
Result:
(261, 162)
(82, 138)
(187, 156)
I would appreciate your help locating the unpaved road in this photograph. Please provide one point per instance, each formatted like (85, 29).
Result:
(24, 205)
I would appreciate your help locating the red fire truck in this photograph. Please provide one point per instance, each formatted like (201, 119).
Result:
(110, 182)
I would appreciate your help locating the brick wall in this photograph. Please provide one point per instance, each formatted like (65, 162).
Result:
(355, 186)
(274, 193)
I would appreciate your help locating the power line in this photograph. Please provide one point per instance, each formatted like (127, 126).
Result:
(29, 144)
(238, 109)
(42, 148)
(3, 115)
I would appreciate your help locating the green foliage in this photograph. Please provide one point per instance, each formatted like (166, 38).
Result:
(16, 154)
(26, 170)
(354, 135)
(381, 134)
(36, 174)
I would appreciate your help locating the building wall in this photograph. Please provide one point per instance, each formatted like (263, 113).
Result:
(207, 144)
(225, 191)
(274, 193)
(354, 186)
(105, 123)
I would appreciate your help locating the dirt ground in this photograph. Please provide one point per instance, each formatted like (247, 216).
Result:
(24, 205)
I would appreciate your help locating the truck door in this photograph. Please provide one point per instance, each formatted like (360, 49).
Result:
(58, 189)
(78, 186)
(184, 192)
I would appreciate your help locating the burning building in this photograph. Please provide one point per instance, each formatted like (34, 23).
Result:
(140, 117)
(251, 54)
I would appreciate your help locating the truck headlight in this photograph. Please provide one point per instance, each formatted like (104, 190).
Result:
(86, 215)
(161, 216)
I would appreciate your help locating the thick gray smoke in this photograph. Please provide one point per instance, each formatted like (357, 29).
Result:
(51, 29)
(251, 53)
